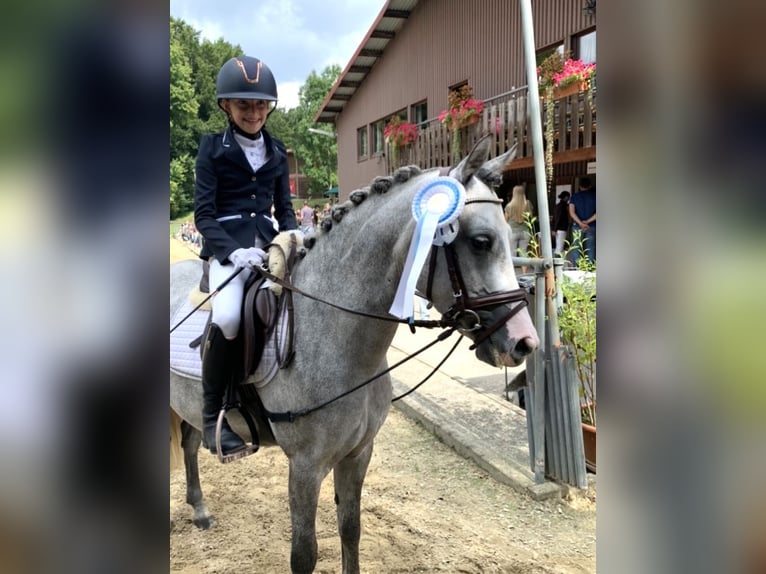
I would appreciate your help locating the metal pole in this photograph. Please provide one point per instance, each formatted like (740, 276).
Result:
(538, 414)
(527, 28)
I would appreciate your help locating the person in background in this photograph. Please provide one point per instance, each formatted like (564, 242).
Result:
(240, 174)
(307, 218)
(561, 222)
(515, 213)
(582, 211)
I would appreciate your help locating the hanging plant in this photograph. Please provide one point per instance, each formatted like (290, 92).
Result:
(398, 134)
(555, 73)
(462, 112)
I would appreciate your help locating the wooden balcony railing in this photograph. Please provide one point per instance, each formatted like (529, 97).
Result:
(506, 119)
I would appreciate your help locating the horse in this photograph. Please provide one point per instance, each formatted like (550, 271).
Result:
(356, 262)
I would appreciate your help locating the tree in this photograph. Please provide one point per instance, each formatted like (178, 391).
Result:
(193, 106)
(318, 153)
(181, 181)
(183, 103)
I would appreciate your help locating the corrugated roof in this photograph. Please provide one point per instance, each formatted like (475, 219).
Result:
(390, 20)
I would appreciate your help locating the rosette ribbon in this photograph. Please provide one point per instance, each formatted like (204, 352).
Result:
(435, 208)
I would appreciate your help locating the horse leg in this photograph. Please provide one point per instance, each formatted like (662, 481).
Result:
(191, 439)
(304, 484)
(349, 476)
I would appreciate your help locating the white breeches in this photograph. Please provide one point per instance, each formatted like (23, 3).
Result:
(227, 304)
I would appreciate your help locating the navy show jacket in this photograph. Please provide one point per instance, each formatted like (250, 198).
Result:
(232, 204)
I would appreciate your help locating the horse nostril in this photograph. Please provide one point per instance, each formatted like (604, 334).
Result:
(524, 347)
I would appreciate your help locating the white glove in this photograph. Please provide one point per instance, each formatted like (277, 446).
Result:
(251, 257)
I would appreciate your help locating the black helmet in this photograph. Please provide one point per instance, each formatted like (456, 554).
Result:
(246, 78)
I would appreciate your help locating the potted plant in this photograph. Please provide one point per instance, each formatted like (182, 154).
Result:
(577, 324)
(559, 77)
(462, 112)
(398, 134)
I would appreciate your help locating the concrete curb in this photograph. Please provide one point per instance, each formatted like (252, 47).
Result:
(454, 406)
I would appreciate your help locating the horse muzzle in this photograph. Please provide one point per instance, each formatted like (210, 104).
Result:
(503, 343)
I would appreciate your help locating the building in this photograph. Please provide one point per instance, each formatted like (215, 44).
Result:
(417, 51)
(298, 181)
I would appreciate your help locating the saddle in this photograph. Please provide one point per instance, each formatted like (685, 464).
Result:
(266, 317)
(262, 307)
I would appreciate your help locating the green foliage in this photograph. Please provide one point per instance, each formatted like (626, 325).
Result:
(533, 249)
(193, 106)
(577, 322)
(181, 184)
(318, 153)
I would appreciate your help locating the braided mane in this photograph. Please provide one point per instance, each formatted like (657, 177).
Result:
(380, 185)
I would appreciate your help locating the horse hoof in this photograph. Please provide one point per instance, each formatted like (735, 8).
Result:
(203, 522)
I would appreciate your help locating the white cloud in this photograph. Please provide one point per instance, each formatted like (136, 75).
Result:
(293, 37)
(208, 29)
(288, 94)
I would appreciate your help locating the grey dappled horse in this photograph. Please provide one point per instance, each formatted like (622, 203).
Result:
(356, 262)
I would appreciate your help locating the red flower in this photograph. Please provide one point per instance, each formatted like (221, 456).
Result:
(460, 115)
(400, 133)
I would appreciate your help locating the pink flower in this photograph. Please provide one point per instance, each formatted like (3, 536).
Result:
(400, 133)
(460, 115)
(574, 71)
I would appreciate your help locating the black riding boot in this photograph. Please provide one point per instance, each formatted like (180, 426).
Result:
(218, 367)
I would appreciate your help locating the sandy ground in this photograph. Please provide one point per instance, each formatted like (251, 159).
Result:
(424, 509)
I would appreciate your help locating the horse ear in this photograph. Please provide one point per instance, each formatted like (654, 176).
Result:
(491, 172)
(472, 162)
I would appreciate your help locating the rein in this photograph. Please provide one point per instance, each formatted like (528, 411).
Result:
(430, 324)
(290, 416)
(462, 316)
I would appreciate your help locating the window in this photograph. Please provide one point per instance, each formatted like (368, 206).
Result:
(378, 141)
(362, 143)
(547, 51)
(457, 87)
(419, 112)
(377, 136)
(585, 47)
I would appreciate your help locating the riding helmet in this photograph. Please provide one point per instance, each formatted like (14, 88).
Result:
(246, 78)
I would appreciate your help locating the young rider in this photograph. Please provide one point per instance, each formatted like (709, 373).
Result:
(240, 174)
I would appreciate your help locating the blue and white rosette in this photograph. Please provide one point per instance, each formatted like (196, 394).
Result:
(435, 208)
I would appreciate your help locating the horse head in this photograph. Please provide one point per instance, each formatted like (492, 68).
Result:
(486, 288)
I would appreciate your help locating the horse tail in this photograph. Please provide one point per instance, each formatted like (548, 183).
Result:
(176, 450)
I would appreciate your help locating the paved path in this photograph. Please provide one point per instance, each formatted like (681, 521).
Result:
(464, 405)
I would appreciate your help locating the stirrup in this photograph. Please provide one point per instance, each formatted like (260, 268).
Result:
(248, 449)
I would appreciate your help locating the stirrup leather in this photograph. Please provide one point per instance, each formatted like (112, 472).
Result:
(248, 449)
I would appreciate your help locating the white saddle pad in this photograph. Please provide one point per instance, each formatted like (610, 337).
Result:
(186, 361)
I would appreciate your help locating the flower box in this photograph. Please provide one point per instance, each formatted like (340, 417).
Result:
(570, 89)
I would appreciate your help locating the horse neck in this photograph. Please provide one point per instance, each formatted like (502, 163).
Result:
(361, 257)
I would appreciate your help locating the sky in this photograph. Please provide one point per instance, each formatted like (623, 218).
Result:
(293, 37)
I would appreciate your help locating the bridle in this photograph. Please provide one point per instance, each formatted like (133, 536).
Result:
(463, 313)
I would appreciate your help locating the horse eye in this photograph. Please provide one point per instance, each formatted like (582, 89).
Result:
(481, 243)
